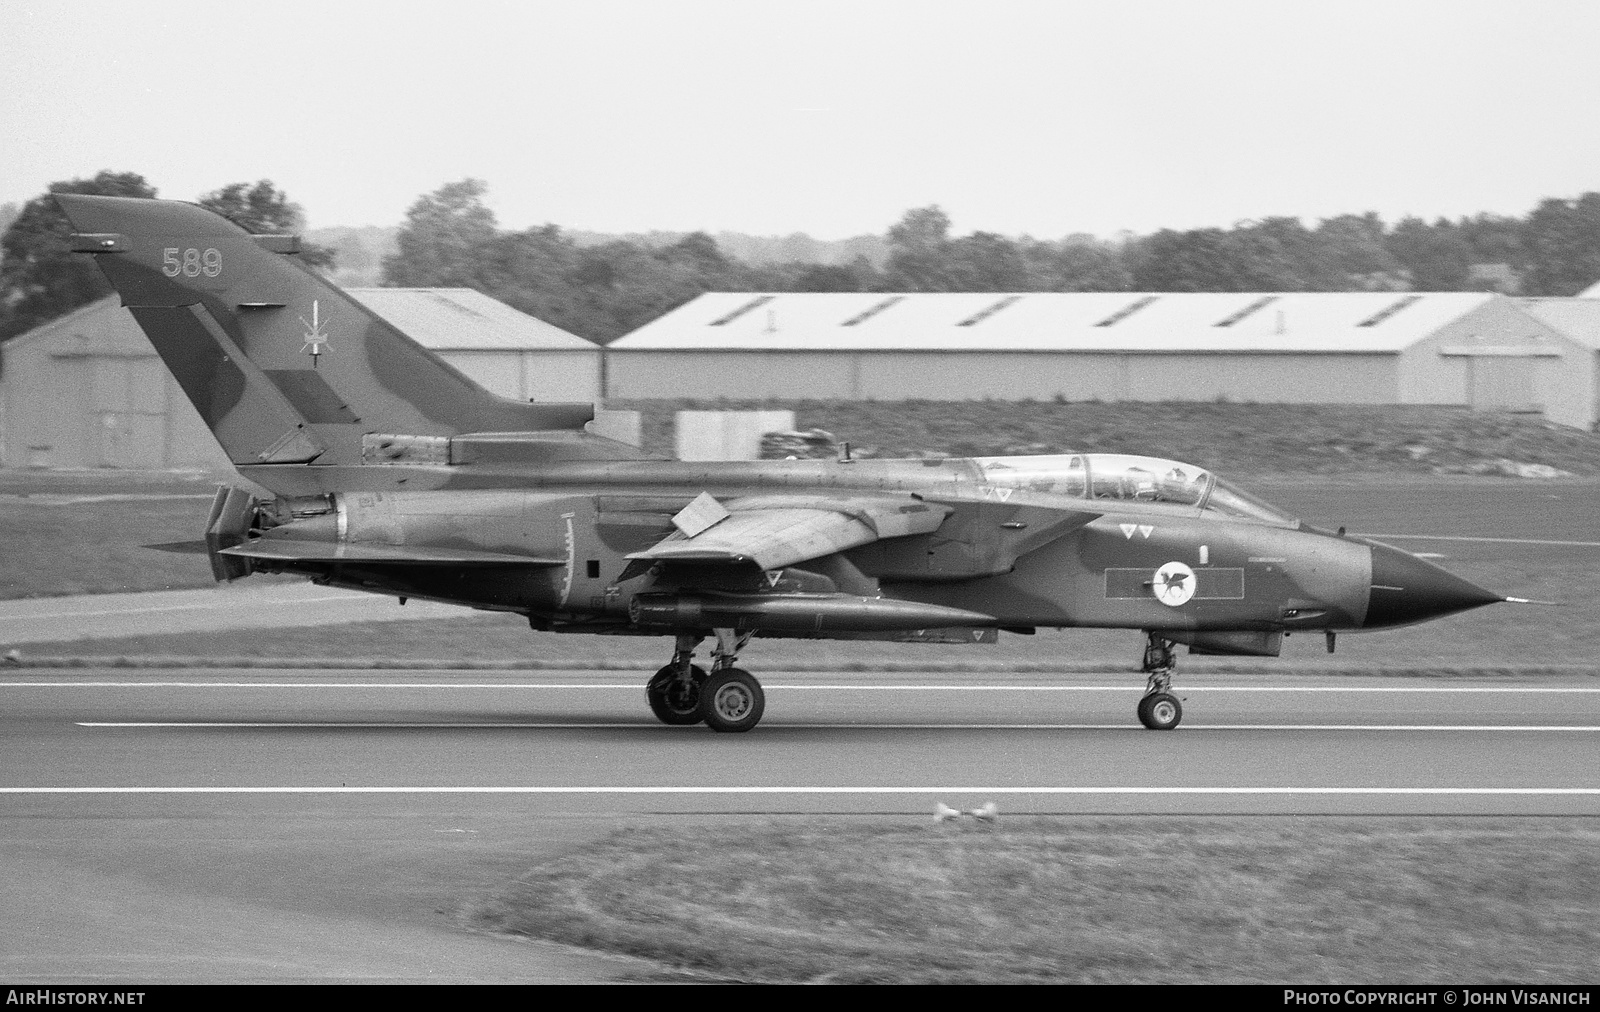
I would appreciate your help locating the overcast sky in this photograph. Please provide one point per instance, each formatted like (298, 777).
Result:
(832, 118)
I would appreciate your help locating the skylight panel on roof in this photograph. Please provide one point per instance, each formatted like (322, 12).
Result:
(873, 310)
(1262, 303)
(1388, 311)
(988, 311)
(1127, 311)
(752, 304)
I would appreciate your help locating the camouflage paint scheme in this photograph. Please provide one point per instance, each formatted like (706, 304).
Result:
(391, 472)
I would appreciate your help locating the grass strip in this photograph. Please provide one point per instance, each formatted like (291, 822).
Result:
(1315, 900)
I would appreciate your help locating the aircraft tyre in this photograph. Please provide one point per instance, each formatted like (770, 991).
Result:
(1160, 711)
(731, 700)
(669, 701)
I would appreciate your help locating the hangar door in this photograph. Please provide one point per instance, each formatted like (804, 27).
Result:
(1503, 383)
(118, 406)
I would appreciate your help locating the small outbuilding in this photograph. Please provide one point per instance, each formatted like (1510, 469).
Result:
(88, 390)
(1472, 349)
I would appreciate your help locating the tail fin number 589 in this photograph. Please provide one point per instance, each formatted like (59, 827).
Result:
(191, 263)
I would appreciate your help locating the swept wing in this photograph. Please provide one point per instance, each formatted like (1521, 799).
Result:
(777, 531)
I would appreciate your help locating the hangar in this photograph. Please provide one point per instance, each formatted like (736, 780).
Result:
(1453, 348)
(88, 390)
(1579, 319)
(503, 349)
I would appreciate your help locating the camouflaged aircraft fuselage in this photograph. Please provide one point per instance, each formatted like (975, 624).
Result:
(389, 471)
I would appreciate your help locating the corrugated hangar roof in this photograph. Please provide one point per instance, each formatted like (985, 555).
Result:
(461, 319)
(1055, 321)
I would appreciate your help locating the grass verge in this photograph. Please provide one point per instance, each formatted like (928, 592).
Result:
(1054, 900)
(83, 532)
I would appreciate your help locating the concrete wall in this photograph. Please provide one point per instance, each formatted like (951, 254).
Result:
(530, 375)
(1308, 378)
(623, 426)
(1117, 377)
(786, 375)
(727, 435)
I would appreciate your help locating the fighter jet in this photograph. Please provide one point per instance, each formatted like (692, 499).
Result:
(373, 465)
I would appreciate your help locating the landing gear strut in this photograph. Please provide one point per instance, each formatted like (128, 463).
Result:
(728, 699)
(1159, 710)
(731, 699)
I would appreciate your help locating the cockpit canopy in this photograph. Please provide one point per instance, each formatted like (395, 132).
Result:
(1130, 478)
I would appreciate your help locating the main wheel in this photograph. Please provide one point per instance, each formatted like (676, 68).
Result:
(1160, 711)
(670, 700)
(731, 700)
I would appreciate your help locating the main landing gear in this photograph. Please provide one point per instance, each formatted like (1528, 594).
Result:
(727, 699)
(674, 692)
(1159, 710)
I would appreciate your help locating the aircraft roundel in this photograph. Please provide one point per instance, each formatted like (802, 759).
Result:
(1174, 584)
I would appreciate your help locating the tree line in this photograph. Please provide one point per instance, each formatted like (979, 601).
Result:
(603, 291)
(450, 238)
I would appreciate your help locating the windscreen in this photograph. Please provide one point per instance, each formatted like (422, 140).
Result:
(1231, 501)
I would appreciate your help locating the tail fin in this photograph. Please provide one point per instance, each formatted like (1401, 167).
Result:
(283, 366)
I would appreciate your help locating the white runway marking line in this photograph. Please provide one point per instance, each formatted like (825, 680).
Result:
(981, 790)
(775, 725)
(1132, 685)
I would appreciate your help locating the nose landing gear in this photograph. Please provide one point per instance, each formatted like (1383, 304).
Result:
(1159, 709)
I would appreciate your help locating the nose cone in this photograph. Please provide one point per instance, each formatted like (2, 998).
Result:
(1406, 589)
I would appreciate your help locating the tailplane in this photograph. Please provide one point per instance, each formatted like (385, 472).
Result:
(282, 365)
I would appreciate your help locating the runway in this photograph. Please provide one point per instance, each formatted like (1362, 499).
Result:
(891, 743)
(313, 825)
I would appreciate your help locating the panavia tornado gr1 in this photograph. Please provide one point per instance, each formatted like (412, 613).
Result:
(388, 471)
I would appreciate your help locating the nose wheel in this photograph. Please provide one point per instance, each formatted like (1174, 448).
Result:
(1159, 709)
